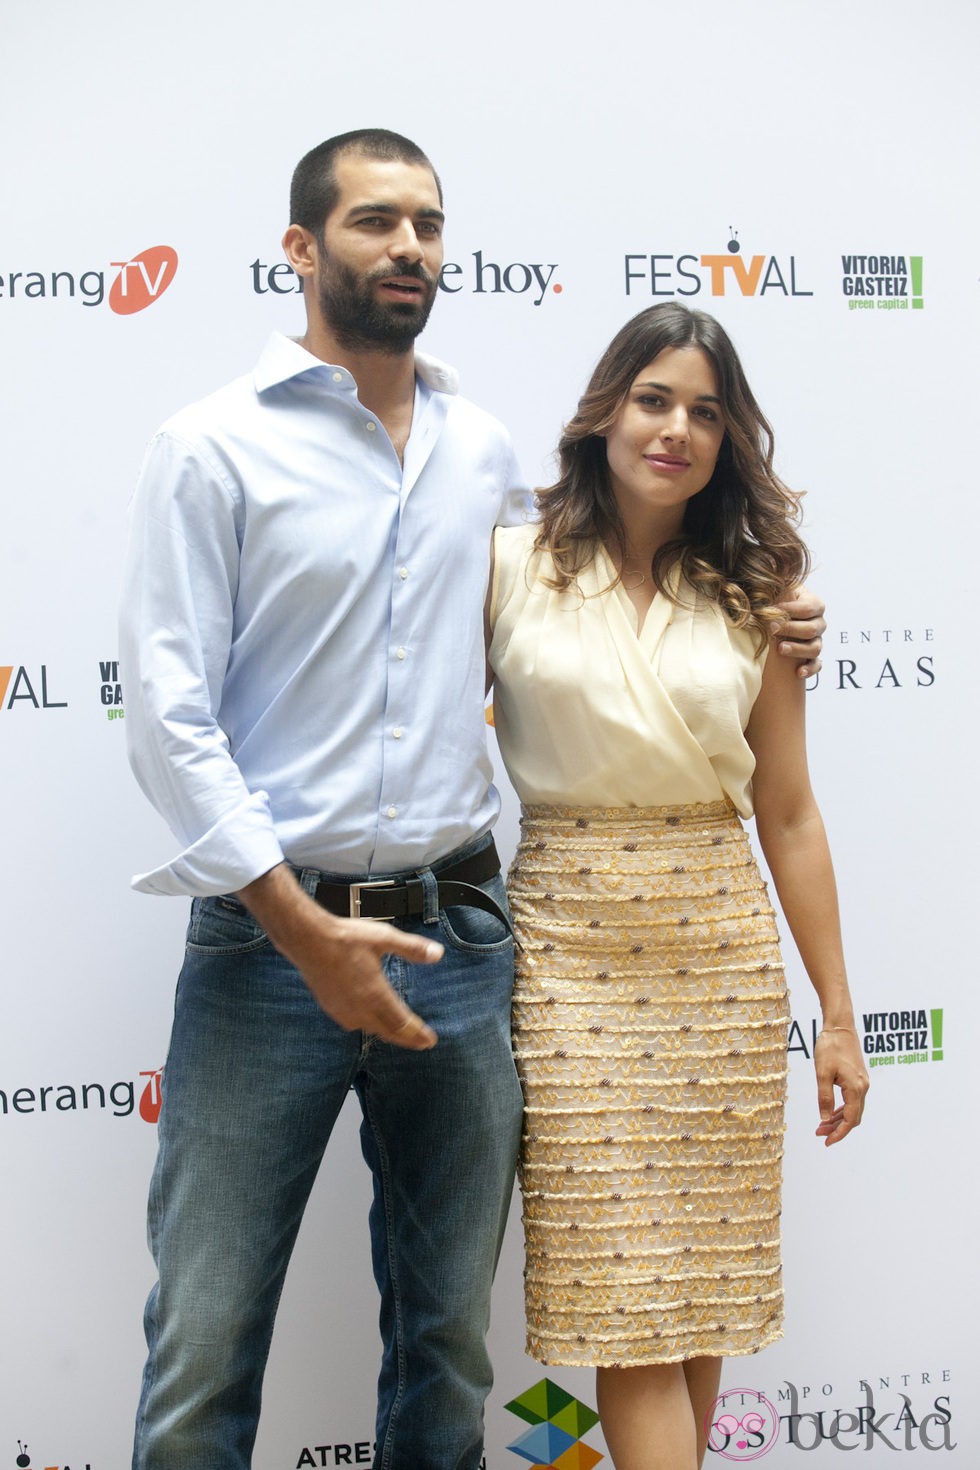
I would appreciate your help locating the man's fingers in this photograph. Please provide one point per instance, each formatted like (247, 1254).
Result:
(801, 603)
(390, 1019)
(394, 1021)
(801, 637)
(412, 947)
(413, 1034)
(808, 634)
(341, 961)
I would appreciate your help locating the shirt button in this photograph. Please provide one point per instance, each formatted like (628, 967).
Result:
(370, 427)
(403, 572)
(338, 377)
(392, 811)
(397, 732)
(400, 653)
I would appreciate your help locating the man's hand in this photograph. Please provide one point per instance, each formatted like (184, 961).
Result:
(340, 959)
(801, 635)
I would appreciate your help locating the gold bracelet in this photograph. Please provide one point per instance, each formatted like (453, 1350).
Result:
(851, 1029)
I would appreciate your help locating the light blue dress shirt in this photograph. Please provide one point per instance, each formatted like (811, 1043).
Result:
(302, 625)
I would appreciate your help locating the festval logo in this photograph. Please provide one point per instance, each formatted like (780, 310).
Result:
(742, 1425)
(722, 274)
(23, 1460)
(18, 688)
(558, 1422)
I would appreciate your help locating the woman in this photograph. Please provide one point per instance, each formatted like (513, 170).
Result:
(638, 717)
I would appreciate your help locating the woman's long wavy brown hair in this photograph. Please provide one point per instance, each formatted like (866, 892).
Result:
(738, 544)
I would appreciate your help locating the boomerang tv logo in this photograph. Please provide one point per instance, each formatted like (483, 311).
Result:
(151, 1097)
(142, 280)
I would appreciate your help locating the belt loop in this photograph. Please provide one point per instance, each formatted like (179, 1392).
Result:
(308, 878)
(430, 896)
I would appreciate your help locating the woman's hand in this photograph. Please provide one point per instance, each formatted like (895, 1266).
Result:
(839, 1063)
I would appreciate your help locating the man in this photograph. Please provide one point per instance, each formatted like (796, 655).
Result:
(303, 652)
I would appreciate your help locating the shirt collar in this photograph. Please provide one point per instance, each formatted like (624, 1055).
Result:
(283, 358)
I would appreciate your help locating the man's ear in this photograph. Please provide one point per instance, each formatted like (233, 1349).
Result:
(300, 247)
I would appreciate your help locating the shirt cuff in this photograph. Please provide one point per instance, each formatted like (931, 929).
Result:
(236, 850)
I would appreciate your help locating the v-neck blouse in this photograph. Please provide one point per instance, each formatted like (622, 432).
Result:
(590, 712)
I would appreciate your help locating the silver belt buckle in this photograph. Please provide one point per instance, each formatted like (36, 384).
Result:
(355, 897)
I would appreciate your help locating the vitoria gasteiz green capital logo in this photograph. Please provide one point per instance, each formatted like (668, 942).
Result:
(558, 1422)
(877, 282)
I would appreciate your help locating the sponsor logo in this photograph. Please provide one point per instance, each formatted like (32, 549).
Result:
(900, 1425)
(478, 276)
(31, 686)
(140, 282)
(558, 1422)
(720, 274)
(742, 1425)
(110, 689)
(882, 282)
(893, 1037)
(118, 1099)
(151, 1097)
(487, 277)
(888, 1038)
(24, 1460)
(880, 658)
(20, 686)
(357, 1452)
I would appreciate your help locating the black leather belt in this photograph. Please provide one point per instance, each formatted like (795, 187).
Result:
(396, 898)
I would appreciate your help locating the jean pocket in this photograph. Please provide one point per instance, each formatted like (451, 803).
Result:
(222, 925)
(473, 929)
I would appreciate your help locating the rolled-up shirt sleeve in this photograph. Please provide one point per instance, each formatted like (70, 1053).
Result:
(176, 629)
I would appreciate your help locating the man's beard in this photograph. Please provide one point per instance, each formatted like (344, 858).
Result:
(359, 321)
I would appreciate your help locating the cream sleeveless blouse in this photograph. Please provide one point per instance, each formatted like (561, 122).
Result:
(588, 712)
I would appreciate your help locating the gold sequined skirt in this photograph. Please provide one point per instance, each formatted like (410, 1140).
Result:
(650, 1022)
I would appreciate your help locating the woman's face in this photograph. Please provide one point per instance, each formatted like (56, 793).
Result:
(663, 447)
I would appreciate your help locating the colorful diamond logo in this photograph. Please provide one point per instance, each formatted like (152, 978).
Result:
(558, 1420)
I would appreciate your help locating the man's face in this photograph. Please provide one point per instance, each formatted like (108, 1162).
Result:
(379, 254)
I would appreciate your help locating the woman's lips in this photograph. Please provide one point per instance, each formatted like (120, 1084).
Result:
(670, 462)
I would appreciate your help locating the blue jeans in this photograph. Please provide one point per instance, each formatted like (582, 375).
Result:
(254, 1081)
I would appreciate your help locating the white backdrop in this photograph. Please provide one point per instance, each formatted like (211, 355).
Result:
(612, 152)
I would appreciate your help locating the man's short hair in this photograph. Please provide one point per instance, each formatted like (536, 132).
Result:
(315, 191)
